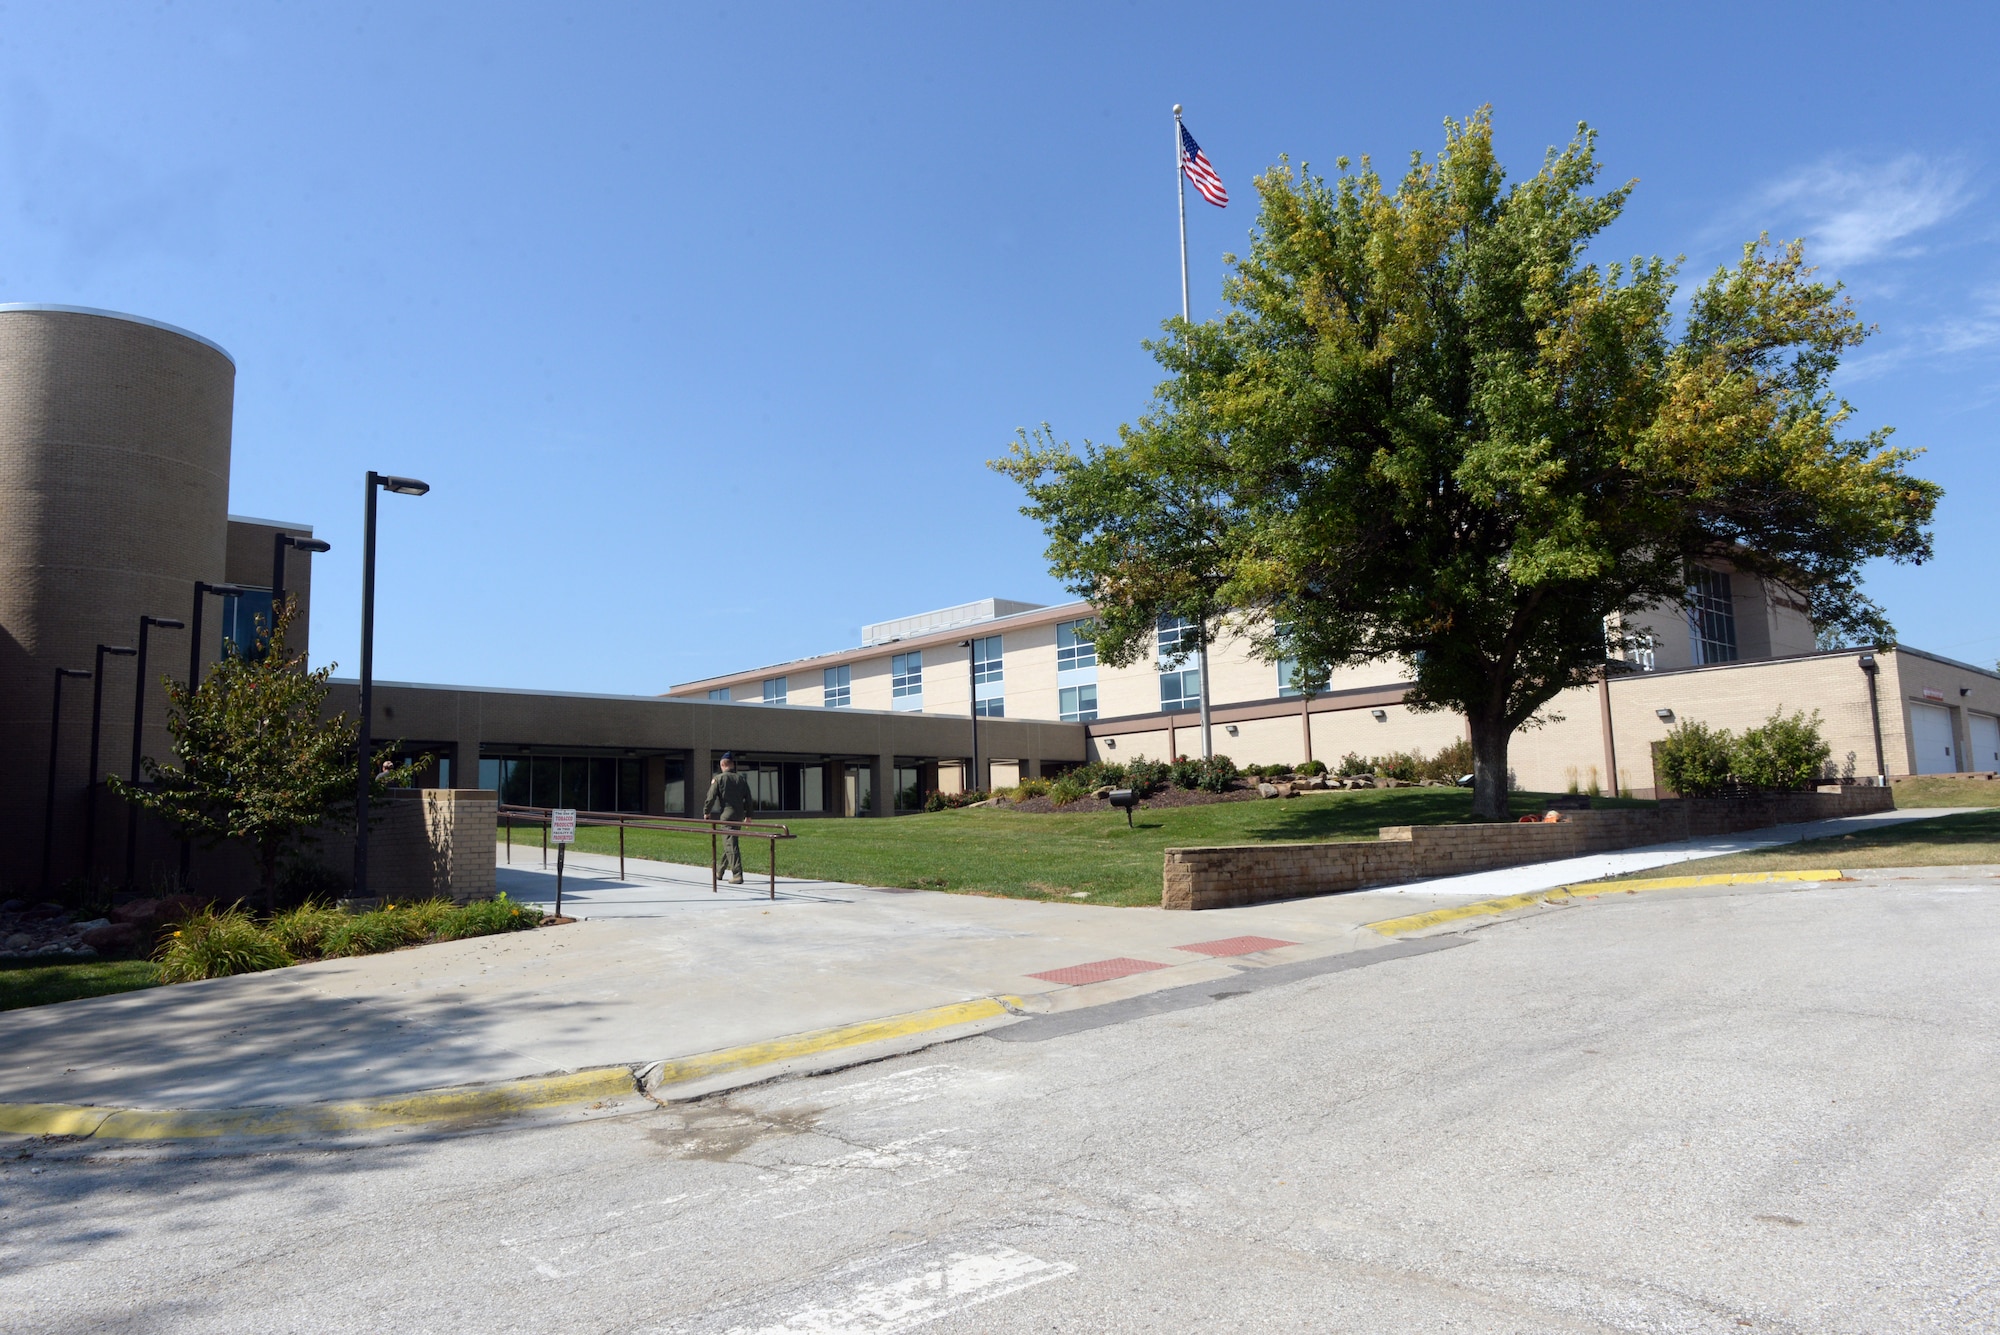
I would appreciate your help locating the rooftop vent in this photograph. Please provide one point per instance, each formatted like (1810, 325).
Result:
(948, 618)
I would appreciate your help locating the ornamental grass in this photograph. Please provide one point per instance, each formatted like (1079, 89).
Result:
(217, 944)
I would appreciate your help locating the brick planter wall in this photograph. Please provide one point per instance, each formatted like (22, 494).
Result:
(1229, 877)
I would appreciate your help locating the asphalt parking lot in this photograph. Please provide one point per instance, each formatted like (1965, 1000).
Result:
(1764, 1108)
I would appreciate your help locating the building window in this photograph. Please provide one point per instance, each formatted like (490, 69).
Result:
(1288, 679)
(1711, 616)
(721, 693)
(1073, 651)
(588, 783)
(1078, 704)
(246, 622)
(839, 693)
(1180, 690)
(1177, 639)
(906, 680)
(988, 684)
(774, 690)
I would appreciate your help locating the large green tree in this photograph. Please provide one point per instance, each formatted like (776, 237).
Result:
(259, 758)
(1434, 431)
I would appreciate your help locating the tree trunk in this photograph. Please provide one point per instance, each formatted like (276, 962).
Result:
(1489, 767)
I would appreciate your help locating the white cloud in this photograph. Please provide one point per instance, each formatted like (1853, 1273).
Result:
(1855, 213)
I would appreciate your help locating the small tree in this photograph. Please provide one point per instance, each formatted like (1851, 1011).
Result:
(1695, 760)
(1785, 754)
(260, 759)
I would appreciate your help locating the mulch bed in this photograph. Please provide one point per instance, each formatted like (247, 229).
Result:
(1172, 797)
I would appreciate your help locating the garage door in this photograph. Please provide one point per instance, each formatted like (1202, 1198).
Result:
(1930, 730)
(1985, 742)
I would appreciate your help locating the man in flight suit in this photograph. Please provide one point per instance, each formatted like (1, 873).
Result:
(729, 799)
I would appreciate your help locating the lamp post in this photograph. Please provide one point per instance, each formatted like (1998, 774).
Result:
(402, 486)
(96, 728)
(202, 588)
(279, 542)
(55, 738)
(146, 625)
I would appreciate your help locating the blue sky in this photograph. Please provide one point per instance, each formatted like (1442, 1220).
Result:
(703, 321)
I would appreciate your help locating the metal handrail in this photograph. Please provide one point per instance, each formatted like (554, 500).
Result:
(769, 831)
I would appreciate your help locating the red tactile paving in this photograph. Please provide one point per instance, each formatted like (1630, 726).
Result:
(1236, 945)
(1097, 972)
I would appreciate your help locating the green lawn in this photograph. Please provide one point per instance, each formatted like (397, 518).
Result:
(1948, 793)
(32, 983)
(1944, 841)
(1052, 856)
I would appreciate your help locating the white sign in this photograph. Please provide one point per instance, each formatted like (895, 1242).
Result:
(562, 825)
(1932, 693)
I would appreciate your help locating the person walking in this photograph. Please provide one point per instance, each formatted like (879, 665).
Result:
(729, 800)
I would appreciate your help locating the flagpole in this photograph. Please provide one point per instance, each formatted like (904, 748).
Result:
(1180, 193)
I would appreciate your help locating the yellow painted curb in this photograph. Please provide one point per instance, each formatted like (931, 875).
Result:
(473, 1103)
(1486, 908)
(681, 1070)
(461, 1103)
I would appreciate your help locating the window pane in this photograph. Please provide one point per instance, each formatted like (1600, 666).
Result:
(839, 694)
(774, 690)
(721, 693)
(1078, 704)
(1072, 650)
(603, 785)
(1711, 616)
(631, 786)
(676, 791)
(489, 775)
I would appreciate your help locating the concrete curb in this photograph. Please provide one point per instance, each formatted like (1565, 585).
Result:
(1489, 908)
(463, 1106)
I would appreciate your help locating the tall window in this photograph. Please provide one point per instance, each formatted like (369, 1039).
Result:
(1711, 616)
(774, 690)
(1078, 704)
(246, 619)
(839, 692)
(1073, 651)
(1180, 687)
(720, 693)
(1288, 679)
(906, 680)
(989, 690)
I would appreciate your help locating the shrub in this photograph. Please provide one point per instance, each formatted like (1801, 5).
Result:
(1313, 768)
(1352, 765)
(1785, 754)
(302, 931)
(488, 917)
(1695, 760)
(1070, 787)
(1449, 762)
(217, 945)
(1397, 765)
(373, 932)
(1028, 788)
(1146, 777)
(953, 801)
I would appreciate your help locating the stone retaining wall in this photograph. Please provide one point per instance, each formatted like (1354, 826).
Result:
(1229, 877)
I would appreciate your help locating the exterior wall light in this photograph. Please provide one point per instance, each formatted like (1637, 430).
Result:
(1379, 715)
(1230, 728)
(1111, 743)
(1666, 715)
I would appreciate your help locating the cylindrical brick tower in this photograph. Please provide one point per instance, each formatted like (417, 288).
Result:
(114, 499)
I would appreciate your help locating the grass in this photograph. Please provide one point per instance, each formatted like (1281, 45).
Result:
(28, 983)
(1090, 858)
(1942, 841)
(1948, 793)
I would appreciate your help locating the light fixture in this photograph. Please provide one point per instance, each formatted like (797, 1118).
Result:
(1867, 662)
(403, 486)
(1965, 690)
(1666, 715)
(1229, 728)
(1111, 743)
(1379, 715)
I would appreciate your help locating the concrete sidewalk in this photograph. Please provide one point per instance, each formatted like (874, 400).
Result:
(660, 968)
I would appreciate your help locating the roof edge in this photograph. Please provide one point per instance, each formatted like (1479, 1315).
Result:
(117, 315)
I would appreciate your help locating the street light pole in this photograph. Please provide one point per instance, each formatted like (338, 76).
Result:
(146, 624)
(96, 728)
(402, 486)
(279, 542)
(202, 589)
(55, 739)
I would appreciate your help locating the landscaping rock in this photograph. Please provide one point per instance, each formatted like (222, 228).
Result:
(13, 906)
(47, 911)
(111, 936)
(1101, 793)
(20, 941)
(1267, 790)
(1287, 790)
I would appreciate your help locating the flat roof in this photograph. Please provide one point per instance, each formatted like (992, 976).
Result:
(270, 523)
(116, 315)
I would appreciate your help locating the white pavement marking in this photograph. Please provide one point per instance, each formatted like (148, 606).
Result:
(1595, 866)
(941, 1288)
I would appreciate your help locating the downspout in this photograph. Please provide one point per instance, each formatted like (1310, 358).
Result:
(1869, 669)
(1610, 745)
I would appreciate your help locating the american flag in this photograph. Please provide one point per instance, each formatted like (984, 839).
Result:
(1194, 163)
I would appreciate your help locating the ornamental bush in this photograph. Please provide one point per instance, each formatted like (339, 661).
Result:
(1786, 754)
(1146, 777)
(217, 945)
(1695, 760)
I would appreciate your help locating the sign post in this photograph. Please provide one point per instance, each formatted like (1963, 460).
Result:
(562, 833)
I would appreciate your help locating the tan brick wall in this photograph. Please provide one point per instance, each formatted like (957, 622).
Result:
(1229, 877)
